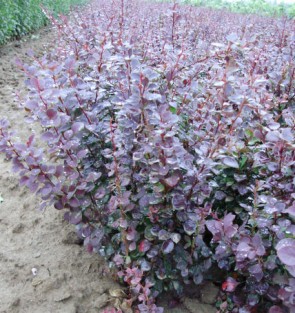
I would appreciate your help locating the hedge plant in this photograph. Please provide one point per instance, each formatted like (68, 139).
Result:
(260, 7)
(20, 17)
(168, 141)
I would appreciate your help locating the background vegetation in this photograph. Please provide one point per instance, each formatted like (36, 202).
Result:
(20, 17)
(262, 7)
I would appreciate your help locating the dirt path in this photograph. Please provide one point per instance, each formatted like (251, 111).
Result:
(42, 266)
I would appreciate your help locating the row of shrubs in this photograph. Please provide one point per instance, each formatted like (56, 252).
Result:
(20, 17)
(261, 7)
(169, 135)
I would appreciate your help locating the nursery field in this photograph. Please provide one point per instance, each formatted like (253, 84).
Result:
(166, 138)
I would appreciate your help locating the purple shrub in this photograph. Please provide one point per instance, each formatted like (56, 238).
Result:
(169, 142)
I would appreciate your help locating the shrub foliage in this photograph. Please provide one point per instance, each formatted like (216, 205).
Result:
(20, 17)
(261, 7)
(170, 145)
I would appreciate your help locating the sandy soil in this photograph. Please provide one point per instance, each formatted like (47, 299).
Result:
(43, 267)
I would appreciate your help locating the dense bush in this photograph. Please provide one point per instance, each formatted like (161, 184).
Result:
(170, 144)
(20, 17)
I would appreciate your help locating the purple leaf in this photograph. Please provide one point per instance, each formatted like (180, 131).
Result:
(144, 246)
(229, 285)
(145, 266)
(172, 181)
(82, 153)
(179, 202)
(93, 176)
(275, 309)
(74, 202)
(118, 259)
(220, 195)
(175, 237)
(168, 246)
(287, 134)
(51, 113)
(77, 127)
(189, 227)
(272, 136)
(230, 162)
(45, 191)
(131, 234)
(68, 134)
(100, 193)
(75, 218)
(229, 229)
(291, 210)
(233, 37)
(215, 227)
(286, 251)
(164, 234)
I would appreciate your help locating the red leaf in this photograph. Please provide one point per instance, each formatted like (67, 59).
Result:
(229, 285)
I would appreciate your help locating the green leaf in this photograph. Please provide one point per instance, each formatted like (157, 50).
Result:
(249, 133)
(1, 199)
(173, 109)
(253, 141)
(243, 161)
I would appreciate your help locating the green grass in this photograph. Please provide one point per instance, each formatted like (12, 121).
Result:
(20, 17)
(260, 7)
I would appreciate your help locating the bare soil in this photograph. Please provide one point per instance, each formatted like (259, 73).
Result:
(43, 266)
